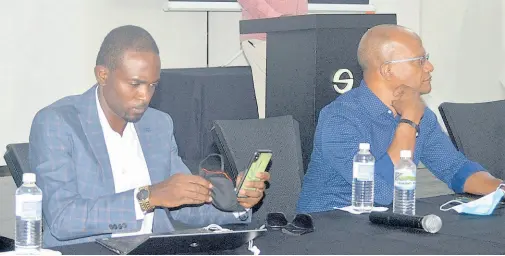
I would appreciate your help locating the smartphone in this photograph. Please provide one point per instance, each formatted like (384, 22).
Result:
(258, 163)
(467, 199)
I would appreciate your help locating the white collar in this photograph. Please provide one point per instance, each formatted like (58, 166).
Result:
(106, 128)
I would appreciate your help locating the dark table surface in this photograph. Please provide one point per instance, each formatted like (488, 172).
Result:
(338, 232)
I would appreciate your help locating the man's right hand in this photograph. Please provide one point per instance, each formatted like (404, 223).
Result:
(408, 103)
(180, 189)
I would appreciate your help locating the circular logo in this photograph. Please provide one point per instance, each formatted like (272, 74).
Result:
(343, 85)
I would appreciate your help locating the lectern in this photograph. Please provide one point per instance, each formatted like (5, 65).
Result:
(311, 60)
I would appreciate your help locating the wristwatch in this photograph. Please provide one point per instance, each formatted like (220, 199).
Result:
(143, 198)
(409, 122)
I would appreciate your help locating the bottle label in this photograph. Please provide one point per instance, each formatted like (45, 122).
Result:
(29, 206)
(405, 179)
(363, 171)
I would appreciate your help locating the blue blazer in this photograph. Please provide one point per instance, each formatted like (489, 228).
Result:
(69, 156)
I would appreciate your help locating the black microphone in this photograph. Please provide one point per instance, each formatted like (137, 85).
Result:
(429, 223)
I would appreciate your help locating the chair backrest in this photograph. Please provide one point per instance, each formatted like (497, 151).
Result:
(6, 244)
(194, 97)
(237, 140)
(476, 129)
(16, 158)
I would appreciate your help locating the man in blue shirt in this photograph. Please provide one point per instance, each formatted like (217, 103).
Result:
(387, 111)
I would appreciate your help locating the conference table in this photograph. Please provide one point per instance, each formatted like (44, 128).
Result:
(339, 232)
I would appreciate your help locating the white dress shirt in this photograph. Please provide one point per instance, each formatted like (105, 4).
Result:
(128, 165)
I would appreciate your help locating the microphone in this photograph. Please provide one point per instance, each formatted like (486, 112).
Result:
(430, 223)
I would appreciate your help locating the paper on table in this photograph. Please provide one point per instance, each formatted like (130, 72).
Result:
(351, 210)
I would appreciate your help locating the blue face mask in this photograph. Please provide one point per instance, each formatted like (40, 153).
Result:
(482, 206)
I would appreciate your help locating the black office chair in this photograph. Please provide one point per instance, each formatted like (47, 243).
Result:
(237, 140)
(6, 244)
(196, 98)
(16, 159)
(477, 130)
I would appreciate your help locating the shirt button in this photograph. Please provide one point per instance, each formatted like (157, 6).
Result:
(389, 112)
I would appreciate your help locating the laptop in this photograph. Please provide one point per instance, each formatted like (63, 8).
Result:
(185, 241)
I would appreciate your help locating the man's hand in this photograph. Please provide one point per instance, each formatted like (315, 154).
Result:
(180, 189)
(255, 194)
(481, 183)
(408, 103)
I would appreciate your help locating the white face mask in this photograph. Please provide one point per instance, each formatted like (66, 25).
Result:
(482, 206)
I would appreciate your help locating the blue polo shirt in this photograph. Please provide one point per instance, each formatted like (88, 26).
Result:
(358, 116)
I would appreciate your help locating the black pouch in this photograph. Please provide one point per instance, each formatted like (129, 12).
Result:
(224, 196)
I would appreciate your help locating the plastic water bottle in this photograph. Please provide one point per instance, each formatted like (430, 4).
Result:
(28, 216)
(404, 199)
(363, 179)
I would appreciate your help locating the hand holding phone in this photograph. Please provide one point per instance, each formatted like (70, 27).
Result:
(258, 163)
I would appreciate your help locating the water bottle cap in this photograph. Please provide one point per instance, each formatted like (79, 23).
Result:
(364, 146)
(405, 153)
(29, 178)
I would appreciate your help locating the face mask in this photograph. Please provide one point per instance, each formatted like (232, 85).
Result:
(482, 206)
(223, 195)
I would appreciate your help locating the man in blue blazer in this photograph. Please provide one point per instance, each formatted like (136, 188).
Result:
(108, 165)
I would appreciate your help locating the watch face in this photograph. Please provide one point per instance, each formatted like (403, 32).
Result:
(142, 195)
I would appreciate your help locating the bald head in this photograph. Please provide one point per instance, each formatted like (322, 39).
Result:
(379, 43)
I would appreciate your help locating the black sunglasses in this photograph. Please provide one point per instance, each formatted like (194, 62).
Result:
(301, 224)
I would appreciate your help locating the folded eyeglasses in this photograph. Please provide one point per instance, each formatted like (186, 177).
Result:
(301, 224)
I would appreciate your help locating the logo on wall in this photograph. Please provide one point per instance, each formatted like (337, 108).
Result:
(343, 85)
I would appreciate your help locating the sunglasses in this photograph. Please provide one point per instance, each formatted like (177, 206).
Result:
(301, 224)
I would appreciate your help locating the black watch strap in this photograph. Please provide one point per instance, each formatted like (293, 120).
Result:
(409, 122)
